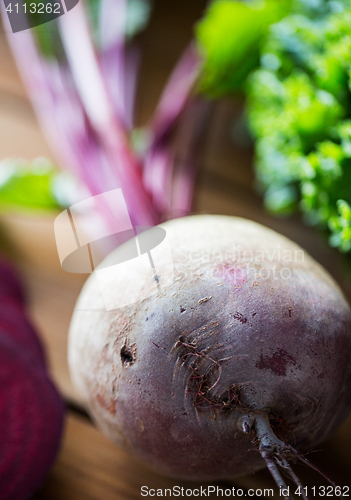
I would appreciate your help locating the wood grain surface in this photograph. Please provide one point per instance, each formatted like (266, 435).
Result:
(89, 467)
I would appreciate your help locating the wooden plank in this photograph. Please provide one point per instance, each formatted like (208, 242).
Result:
(224, 152)
(90, 467)
(9, 78)
(20, 135)
(51, 306)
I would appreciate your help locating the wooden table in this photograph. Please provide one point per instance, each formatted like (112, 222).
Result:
(89, 467)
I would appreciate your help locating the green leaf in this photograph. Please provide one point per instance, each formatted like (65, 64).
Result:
(340, 227)
(24, 185)
(299, 110)
(228, 38)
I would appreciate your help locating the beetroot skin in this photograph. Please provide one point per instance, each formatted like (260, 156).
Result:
(31, 410)
(243, 360)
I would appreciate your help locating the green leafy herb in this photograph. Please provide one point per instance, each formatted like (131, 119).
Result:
(28, 185)
(340, 226)
(228, 37)
(299, 108)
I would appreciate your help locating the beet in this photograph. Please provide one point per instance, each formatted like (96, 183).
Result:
(244, 359)
(13, 321)
(31, 410)
(15, 325)
(10, 287)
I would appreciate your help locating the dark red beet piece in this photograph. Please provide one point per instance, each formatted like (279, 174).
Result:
(10, 287)
(31, 409)
(15, 325)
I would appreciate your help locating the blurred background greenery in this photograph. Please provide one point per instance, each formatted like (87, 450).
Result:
(290, 60)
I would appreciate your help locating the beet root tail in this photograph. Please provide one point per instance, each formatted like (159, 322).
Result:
(278, 455)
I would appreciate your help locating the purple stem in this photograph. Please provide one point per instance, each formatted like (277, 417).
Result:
(188, 140)
(119, 62)
(53, 96)
(110, 132)
(159, 163)
(112, 18)
(112, 21)
(158, 167)
(72, 125)
(131, 72)
(112, 69)
(176, 93)
(120, 70)
(87, 111)
(78, 135)
(95, 168)
(35, 75)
